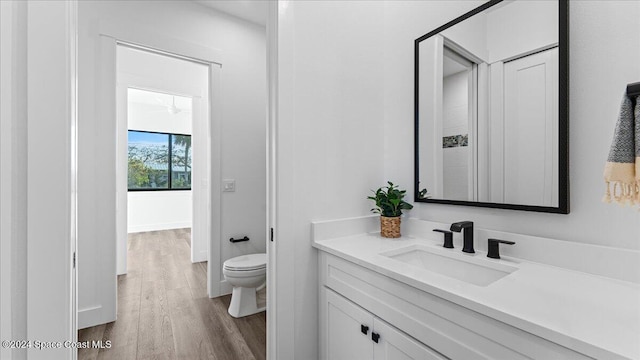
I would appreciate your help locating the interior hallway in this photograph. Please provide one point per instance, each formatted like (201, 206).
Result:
(164, 311)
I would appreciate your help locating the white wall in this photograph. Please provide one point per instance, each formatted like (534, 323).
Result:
(156, 118)
(330, 143)
(13, 176)
(455, 104)
(242, 45)
(509, 28)
(471, 34)
(158, 210)
(503, 31)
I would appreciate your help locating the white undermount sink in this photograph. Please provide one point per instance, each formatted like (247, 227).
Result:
(452, 263)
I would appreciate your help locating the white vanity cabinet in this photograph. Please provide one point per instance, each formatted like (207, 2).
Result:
(353, 333)
(412, 323)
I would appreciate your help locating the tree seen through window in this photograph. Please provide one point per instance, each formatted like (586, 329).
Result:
(151, 155)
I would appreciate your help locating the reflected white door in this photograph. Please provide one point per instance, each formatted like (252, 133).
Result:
(530, 129)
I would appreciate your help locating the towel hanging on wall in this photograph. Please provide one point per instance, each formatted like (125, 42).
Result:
(622, 171)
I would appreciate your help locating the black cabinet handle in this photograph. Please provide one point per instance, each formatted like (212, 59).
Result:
(448, 238)
(364, 329)
(375, 337)
(239, 240)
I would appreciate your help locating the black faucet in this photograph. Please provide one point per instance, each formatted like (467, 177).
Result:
(467, 235)
(448, 238)
(493, 247)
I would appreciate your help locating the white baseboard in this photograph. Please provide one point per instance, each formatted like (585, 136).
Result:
(156, 227)
(225, 288)
(199, 257)
(91, 316)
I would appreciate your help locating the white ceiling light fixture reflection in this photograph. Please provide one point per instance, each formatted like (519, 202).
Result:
(173, 109)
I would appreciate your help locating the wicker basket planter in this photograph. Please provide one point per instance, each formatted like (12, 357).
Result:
(390, 226)
(389, 205)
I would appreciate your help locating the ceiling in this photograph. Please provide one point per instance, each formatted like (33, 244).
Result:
(254, 11)
(450, 66)
(158, 99)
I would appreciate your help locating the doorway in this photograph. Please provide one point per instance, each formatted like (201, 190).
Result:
(162, 156)
(104, 218)
(458, 116)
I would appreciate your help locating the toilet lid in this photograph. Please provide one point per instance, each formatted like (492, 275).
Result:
(247, 262)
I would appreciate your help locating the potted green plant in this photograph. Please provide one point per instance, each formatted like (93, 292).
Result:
(389, 205)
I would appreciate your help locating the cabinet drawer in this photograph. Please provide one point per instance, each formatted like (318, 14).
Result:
(452, 330)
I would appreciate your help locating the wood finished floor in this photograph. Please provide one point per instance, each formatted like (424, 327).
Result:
(164, 311)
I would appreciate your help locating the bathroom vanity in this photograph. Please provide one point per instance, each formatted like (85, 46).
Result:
(410, 298)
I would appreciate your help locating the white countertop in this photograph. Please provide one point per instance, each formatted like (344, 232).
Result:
(597, 316)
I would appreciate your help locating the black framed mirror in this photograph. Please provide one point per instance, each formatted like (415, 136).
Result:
(491, 108)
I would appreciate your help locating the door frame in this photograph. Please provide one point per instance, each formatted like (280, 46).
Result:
(272, 102)
(281, 278)
(110, 36)
(45, 38)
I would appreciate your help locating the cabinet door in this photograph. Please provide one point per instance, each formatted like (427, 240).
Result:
(345, 339)
(396, 345)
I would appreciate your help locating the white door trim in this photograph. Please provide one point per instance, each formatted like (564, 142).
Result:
(8, 18)
(214, 266)
(281, 300)
(149, 40)
(272, 111)
(105, 310)
(13, 174)
(51, 181)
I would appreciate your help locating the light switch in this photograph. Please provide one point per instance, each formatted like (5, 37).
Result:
(229, 185)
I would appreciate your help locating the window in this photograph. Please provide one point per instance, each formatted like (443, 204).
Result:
(180, 161)
(152, 154)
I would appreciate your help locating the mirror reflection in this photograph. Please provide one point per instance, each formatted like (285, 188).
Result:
(487, 107)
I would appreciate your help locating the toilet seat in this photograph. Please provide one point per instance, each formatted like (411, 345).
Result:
(243, 273)
(246, 263)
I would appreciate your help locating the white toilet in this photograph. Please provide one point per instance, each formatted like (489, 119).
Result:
(246, 274)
